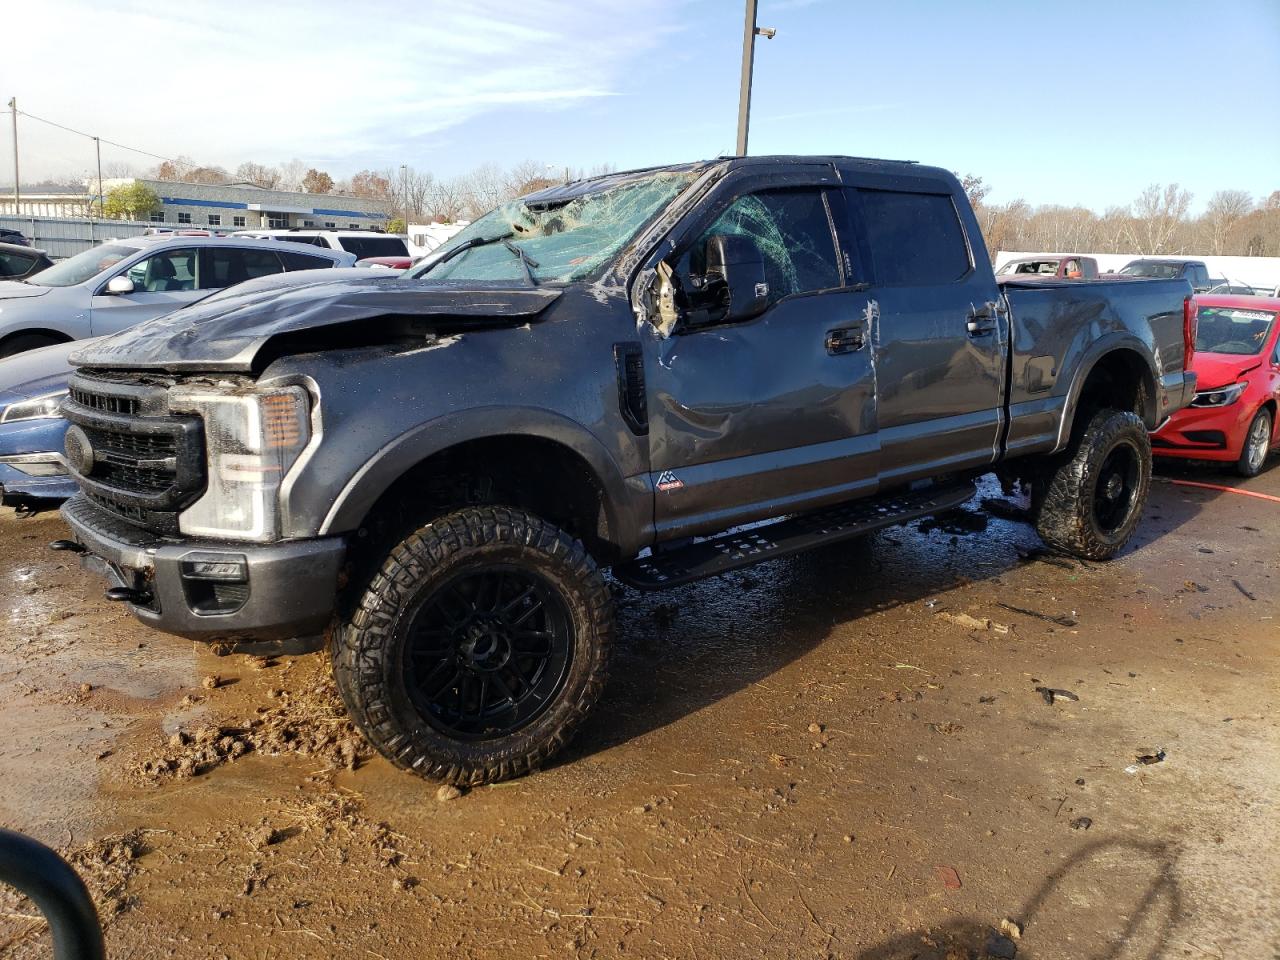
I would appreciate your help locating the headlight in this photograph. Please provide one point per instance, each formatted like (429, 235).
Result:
(37, 408)
(1221, 397)
(252, 439)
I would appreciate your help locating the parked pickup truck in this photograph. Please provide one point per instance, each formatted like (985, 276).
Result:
(1072, 267)
(1193, 271)
(670, 373)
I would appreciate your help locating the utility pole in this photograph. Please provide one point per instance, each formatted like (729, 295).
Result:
(750, 32)
(97, 145)
(17, 191)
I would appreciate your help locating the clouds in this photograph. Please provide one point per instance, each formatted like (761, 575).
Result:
(348, 84)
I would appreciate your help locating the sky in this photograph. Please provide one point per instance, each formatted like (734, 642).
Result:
(1083, 102)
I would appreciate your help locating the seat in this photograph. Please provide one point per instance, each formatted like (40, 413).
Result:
(161, 276)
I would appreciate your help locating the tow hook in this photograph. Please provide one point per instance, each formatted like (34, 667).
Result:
(128, 595)
(70, 545)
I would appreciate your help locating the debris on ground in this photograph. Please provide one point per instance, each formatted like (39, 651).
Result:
(1081, 823)
(1052, 694)
(265, 836)
(448, 792)
(1011, 929)
(1149, 756)
(947, 728)
(106, 866)
(211, 682)
(948, 875)
(311, 722)
(1004, 510)
(1241, 587)
(1062, 620)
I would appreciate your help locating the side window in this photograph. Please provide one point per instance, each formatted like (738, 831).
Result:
(224, 266)
(793, 232)
(915, 238)
(164, 272)
(300, 261)
(14, 265)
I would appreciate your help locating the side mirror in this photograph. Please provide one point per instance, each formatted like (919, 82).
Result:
(737, 262)
(119, 286)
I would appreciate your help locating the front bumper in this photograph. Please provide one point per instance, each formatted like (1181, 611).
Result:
(17, 485)
(288, 591)
(1204, 433)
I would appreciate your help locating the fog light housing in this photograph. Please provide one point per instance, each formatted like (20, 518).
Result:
(215, 584)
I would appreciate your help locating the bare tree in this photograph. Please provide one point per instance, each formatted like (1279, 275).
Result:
(261, 174)
(1158, 213)
(974, 188)
(291, 175)
(1226, 208)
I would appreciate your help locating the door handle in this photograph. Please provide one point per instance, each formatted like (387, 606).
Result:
(845, 340)
(980, 326)
(984, 319)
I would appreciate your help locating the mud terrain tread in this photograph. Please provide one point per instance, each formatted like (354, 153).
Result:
(360, 645)
(1064, 516)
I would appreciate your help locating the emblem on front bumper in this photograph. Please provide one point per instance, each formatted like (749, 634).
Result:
(80, 455)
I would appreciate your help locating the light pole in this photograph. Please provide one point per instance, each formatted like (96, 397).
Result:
(750, 32)
(17, 191)
(404, 180)
(97, 145)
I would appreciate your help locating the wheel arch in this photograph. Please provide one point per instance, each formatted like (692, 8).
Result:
(560, 467)
(54, 336)
(1118, 372)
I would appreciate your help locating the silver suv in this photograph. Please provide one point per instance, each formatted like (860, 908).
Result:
(122, 282)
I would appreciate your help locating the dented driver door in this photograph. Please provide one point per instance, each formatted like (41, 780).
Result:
(776, 413)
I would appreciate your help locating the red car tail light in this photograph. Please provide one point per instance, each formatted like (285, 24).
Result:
(1189, 311)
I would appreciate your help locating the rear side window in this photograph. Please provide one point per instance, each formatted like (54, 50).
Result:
(314, 241)
(227, 266)
(915, 238)
(15, 265)
(374, 246)
(300, 261)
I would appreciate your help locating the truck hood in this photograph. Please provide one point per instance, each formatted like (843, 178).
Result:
(16, 290)
(1214, 370)
(227, 331)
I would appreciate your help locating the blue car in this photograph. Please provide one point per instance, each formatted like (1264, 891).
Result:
(32, 384)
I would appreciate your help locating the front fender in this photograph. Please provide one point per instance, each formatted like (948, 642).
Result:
(626, 501)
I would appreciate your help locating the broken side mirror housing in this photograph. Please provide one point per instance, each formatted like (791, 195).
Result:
(736, 262)
(119, 286)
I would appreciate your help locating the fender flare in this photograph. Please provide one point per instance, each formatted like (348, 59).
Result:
(394, 459)
(1089, 360)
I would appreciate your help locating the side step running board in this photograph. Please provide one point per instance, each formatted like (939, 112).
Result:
(731, 551)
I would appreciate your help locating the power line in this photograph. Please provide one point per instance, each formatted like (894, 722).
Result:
(81, 133)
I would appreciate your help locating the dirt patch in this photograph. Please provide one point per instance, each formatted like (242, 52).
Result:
(308, 720)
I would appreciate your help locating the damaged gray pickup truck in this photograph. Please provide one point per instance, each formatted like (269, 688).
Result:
(670, 373)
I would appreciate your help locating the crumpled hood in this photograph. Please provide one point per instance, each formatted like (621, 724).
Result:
(226, 331)
(14, 290)
(1214, 370)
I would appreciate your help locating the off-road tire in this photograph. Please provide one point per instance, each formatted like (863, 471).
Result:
(1249, 464)
(368, 649)
(22, 342)
(1065, 513)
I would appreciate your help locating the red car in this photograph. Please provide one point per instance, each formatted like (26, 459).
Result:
(1237, 364)
(388, 263)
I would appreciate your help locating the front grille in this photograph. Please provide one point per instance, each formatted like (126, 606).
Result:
(105, 402)
(128, 455)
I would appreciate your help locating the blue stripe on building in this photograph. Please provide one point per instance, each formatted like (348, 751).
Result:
(232, 205)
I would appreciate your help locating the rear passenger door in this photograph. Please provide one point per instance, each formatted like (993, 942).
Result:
(226, 266)
(939, 338)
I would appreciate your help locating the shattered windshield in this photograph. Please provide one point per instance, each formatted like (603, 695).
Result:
(561, 238)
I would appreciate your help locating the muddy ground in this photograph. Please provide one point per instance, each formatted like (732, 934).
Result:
(842, 754)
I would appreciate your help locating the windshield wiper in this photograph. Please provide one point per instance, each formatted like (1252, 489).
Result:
(465, 246)
(526, 261)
